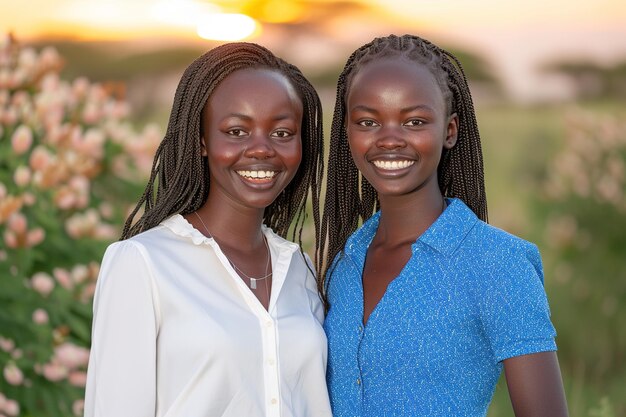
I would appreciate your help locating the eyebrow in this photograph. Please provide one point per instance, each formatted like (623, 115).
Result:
(409, 109)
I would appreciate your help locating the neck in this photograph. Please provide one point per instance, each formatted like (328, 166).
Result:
(233, 226)
(405, 218)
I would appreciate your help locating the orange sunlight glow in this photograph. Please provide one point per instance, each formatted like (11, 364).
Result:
(123, 19)
(227, 27)
(184, 13)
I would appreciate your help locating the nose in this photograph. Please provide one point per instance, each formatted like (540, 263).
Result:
(390, 138)
(260, 147)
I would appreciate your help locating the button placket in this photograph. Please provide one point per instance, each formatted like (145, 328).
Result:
(272, 382)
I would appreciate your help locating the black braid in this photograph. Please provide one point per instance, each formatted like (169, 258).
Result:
(180, 173)
(349, 196)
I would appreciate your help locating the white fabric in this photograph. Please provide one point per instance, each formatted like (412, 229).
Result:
(177, 333)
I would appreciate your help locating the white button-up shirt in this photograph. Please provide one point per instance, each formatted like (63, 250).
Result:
(177, 333)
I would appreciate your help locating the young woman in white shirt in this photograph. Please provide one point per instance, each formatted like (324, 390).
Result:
(203, 308)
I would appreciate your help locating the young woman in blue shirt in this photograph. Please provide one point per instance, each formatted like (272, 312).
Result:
(427, 303)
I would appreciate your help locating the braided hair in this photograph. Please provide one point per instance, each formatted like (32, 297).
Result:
(349, 196)
(180, 174)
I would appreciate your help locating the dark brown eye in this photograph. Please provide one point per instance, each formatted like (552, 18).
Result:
(414, 123)
(236, 132)
(367, 123)
(282, 134)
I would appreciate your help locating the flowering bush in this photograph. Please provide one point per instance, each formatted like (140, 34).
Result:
(585, 222)
(68, 159)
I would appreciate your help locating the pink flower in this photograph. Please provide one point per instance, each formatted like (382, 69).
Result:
(63, 277)
(22, 176)
(92, 143)
(3, 190)
(42, 283)
(65, 199)
(20, 98)
(80, 273)
(35, 237)
(71, 356)
(12, 408)
(78, 407)
(29, 198)
(22, 139)
(91, 113)
(80, 184)
(105, 232)
(10, 239)
(78, 378)
(50, 82)
(80, 87)
(40, 316)
(106, 209)
(27, 58)
(88, 292)
(17, 223)
(10, 116)
(49, 58)
(39, 158)
(6, 345)
(13, 374)
(54, 371)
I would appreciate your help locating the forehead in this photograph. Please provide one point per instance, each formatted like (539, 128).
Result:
(394, 75)
(255, 82)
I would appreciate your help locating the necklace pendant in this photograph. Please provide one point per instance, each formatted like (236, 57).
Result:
(252, 283)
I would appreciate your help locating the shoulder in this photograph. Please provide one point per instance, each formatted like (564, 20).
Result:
(500, 262)
(498, 242)
(481, 249)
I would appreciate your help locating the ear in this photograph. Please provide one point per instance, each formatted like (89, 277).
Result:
(203, 146)
(452, 131)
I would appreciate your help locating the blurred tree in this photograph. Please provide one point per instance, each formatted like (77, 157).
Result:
(591, 80)
(107, 61)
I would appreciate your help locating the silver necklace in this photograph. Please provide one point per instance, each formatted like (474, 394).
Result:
(252, 280)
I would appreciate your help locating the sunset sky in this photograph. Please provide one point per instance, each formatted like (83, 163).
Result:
(514, 35)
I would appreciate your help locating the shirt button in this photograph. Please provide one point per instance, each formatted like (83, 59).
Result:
(360, 329)
(274, 401)
(271, 361)
(268, 324)
(358, 381)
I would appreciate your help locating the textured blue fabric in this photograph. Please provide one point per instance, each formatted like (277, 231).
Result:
(470, 296)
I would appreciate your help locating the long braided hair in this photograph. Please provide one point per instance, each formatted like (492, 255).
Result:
(349, 196)
(180, 174)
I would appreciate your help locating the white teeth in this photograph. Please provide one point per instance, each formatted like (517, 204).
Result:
(391, 165)
(257, 174)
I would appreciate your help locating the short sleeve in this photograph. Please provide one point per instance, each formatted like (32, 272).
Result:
(121, 377)
(514, 309)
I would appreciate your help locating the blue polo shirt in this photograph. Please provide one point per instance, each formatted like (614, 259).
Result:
(470, 296)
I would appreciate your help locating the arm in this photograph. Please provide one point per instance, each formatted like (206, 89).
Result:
(535, 385)
(121, 379)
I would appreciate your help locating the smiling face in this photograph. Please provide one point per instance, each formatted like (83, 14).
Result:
(251, 136)
(398, 124)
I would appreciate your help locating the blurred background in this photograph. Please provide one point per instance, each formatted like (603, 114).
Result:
(86, 88)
